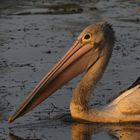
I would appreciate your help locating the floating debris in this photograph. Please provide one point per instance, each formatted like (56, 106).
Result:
(70, 8)
(135, 19)
(138, 11)
(93, 8)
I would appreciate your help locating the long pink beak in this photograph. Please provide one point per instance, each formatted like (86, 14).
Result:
(74, 62)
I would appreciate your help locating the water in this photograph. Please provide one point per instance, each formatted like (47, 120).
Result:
(31, 43)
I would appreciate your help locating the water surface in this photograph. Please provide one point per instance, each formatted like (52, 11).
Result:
(34, 36)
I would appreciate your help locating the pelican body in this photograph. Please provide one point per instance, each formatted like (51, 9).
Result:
(89, 54)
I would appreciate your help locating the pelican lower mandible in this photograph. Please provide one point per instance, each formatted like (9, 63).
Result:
(90, 54)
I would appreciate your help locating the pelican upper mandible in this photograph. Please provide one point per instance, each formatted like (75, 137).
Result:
(89, 54)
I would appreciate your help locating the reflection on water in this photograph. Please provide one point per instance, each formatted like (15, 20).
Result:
(14, 137)
(85, 131)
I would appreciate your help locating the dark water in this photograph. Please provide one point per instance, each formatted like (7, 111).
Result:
(34, 35)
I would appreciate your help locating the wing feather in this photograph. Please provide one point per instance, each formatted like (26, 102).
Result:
(128, 90)
(130, 104)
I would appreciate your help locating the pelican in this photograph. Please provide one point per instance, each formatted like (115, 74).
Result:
(89, 54)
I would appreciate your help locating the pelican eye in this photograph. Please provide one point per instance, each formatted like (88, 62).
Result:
(86, 37)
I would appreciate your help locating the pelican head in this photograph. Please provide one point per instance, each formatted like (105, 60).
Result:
(94, 42)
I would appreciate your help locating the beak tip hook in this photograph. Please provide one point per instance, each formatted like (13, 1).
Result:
(10, 120)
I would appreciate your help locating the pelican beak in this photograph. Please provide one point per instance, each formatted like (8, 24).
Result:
(74, 62)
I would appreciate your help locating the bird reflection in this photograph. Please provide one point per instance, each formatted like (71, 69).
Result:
(86, 131)
(14, 137)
